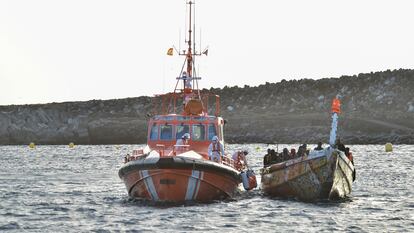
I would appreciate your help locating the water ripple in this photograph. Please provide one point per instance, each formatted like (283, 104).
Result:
(56, 189)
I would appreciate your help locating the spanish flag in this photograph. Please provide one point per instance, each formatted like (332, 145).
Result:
(170, 52)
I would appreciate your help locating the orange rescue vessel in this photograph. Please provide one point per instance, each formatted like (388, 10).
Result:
(169, 170)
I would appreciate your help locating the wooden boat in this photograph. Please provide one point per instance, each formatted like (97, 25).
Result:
(321, 174)
(167, 171)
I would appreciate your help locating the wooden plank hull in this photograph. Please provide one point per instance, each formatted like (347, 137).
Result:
(179, 180)
(326, 174)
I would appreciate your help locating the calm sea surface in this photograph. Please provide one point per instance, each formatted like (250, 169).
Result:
(57, 189)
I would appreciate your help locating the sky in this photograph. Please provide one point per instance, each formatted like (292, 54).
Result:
(78, 50)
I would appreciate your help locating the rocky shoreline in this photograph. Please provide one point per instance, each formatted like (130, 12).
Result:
(377, 108)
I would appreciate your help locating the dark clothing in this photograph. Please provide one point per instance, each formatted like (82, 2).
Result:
(286, 156)
(301, 152)
(267, 160)
(340, 147)
(274, 158)
(318, 148)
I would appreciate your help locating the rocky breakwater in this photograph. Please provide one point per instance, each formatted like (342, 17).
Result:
(91, 122)
(377, 108)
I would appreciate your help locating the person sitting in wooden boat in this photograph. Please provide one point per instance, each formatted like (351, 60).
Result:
(181, 143)
(319, 147)
(274, 157)
(267, 158)
(215, 150)
(285, 154)
(293, 153)
(339, 145)
(348, 154)
(301, 152)
(305, 148)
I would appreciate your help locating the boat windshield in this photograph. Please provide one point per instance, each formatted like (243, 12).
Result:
(183, 118)
(173, 131)
(211, 131)
(163, 118)
(166, 132)
(180, 130)
(198, 132)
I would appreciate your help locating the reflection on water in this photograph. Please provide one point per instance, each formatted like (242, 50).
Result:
(55, 189)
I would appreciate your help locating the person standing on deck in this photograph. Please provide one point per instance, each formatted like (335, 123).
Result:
(215, 150)
(180, 144)
(187, 87)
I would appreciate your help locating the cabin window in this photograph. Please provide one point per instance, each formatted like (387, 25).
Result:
(212, 118)
(154, 132)
(183, 118)
(211, 131)
(180, 130)
(163, 118)
(199, 118)
(166, 132)
(167, 118)
(199, 132)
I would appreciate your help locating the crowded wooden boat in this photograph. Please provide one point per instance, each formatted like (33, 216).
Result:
(309, 175)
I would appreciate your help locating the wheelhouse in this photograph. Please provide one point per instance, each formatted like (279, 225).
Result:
(165, 130)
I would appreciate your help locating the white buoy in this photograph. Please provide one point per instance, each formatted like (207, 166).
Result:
(388, 147)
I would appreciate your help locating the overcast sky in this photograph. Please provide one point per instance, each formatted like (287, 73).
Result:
(54, 51)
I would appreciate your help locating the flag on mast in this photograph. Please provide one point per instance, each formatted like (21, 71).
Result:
(170, 52)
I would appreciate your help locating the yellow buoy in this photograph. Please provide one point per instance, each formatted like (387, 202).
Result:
(71, 145)
(388, 147)
(32, 145)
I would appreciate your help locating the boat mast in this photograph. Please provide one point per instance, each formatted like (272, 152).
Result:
(189, 51)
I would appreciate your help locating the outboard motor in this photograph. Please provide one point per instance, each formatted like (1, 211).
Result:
(249, 179)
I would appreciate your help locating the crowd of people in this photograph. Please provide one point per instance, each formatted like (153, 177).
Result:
(273, 157)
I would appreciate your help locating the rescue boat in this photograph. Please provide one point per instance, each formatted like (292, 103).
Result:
(167, 171)
(320, 174)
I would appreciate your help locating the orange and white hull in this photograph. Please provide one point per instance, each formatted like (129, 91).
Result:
(179, 179)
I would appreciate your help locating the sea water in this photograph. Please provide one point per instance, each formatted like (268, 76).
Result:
(58, 189)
